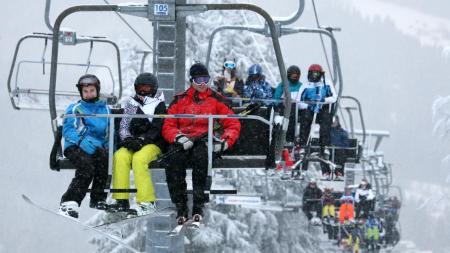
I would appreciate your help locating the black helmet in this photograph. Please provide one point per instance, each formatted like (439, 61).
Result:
(293, 70)
(88, 80)
(198, 69)
(146, 79)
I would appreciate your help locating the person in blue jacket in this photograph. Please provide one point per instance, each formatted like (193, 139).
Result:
(85, 143)
(317, 97)
(293, 75)
(256, 87)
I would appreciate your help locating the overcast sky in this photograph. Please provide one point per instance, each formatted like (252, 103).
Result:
(395, 59)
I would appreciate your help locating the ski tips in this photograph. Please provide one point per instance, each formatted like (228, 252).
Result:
(24, 197)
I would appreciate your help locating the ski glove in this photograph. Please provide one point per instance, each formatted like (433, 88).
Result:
(220, 145)
(87, 146)
(133, 144)
(184, 141)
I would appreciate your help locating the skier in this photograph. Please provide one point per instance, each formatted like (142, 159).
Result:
(256, 86)
(312, 196)
(188, 133)
(293, 75)
(373, 230)
(85, 143)
(328, 207)
(364, 198)
(346, 209)
(317, 96)
(339, 138)
(141, 143)
(229, 84)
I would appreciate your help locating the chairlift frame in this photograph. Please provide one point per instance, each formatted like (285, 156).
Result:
(186, 9)
(82, 39)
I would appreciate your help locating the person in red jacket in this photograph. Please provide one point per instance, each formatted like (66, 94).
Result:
(188, 133)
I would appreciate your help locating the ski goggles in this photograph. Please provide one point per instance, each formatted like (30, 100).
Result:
(229, 65)
(254, 77)
(201, 79)
(315, 74)
(145, 89)
(88, 81)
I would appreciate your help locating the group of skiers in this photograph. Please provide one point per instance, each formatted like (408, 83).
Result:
(311, 101)
(142, 140)
(359, 223)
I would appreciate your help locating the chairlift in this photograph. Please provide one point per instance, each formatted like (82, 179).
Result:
(27, 96)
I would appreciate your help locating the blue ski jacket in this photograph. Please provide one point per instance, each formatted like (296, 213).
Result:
(319, 92)
(88, 133)
(294, 88)
(258, 90)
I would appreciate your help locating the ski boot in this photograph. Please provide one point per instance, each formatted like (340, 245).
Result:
(100, 205)
(69, 209)
(182, 214)
(145, 208)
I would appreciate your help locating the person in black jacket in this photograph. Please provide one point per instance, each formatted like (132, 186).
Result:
(312, 199)
(141, 142)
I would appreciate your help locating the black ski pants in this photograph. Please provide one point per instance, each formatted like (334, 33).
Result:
(324, 120)
(89, 168)
(197, 159)
(312, 206)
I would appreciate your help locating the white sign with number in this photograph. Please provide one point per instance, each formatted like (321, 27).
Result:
(161, 9)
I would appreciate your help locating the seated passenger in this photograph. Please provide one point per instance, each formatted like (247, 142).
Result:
(346, 210)
(312, 196)
(256, 87)
(373, 229)
(364, 198)
(339, 138)
(328, 208)
(85, 144)
(141, 144)
(229, 84)
(293, 75)
(318, 97)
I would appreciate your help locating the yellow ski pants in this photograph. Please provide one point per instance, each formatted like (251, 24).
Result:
(124, 160)
(328, 210)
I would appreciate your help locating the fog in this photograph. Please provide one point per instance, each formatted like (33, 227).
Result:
(395, 60)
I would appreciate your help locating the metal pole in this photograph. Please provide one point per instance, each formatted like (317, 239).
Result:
(280, 61)
(55, 47)
(360, 115)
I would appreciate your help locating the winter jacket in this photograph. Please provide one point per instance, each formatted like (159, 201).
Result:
(311, 193)
(206, 103)
(364, 194)
(78, 131)
(328, 198)
(238, 88)
(346, 210)
(294, 88)
(339, 137)
(147, 129)
(317, 92)
(258, 90)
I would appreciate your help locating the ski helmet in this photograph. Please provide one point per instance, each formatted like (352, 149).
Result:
(146, 84)
(255, 69)
(198, 69)
(293, 70)
(88, 80)
(315, 73)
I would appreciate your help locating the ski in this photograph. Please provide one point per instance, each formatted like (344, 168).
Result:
(179, 228)
(132, 218)
(104, 234)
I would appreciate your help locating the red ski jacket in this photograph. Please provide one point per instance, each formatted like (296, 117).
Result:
(193, 102)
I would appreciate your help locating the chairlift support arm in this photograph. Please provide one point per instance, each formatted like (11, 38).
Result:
(187, 9)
